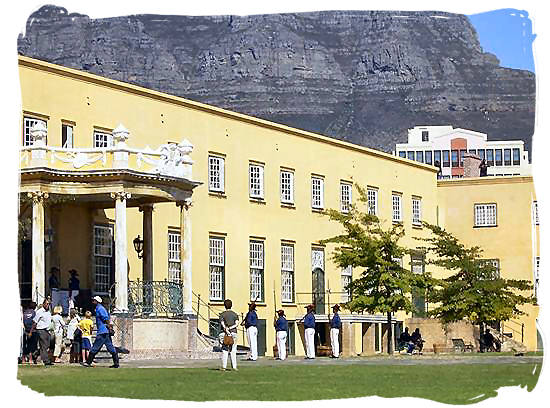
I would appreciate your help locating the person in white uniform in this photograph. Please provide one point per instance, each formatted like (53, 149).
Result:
(250, 323)
(281, 328)
(309, 332)
(335, 326)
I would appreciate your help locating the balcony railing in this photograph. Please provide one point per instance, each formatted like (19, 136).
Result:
(155, 299)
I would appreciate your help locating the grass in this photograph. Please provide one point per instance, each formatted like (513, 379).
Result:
(453, 384)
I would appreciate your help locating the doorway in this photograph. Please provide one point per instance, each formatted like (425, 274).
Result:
(318, 290)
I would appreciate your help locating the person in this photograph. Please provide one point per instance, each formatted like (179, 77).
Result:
(335, 326)
(404, 339)
(483, 168)
(53, 281)
(74, 335)
(416, 341)
(489, 342)
(86, 325)
(309, 332)
(250, 323)
(228, 322)
(30, 341)
(58, 326)
(281, 329)
(103, 334)
(74, 287)
(41, 323)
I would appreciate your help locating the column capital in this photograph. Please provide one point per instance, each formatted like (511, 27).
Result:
(37, 196)
(120, 195)
(186, 204)
(146, 207)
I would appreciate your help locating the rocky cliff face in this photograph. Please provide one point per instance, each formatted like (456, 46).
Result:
(365, 77)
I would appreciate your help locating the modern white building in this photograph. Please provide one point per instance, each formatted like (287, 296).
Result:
(445, 147)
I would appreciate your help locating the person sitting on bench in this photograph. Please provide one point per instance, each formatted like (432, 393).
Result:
(416, 341)
(404, 339)
(489, 342)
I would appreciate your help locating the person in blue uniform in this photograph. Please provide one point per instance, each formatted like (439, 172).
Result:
(335, 326)
(281, 328)
(103, 335)
(250, 323)
(309, 332)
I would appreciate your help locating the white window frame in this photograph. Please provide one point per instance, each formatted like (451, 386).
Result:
(287, 273)
(286, 182)
(174, 253)
(485, 215)
(536, 276)
(69, 142)
(256, 181)
(397, 207)
(28, 123)
(256, 256)
(346, 278)
(417, 211)
(536, 212)
(216, 250)
(102, 247)
(317, 192)
(372, 201)
(102, 139)
(345, 196)
(216, 173)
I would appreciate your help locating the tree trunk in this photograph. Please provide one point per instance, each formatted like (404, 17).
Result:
(390, 335)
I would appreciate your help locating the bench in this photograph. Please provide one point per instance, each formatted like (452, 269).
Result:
(460, 347)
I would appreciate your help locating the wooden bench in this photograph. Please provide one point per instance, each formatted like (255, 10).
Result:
(460, 347)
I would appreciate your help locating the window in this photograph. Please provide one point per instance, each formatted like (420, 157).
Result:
(536, 212)
(287, 273)
(437, 158)
(396, 208)
(536, 275)
(490, 155)
(425, 136)
(472, 151)
(287, 187)
(498, 157)
(67, 136)
(507, 157)
(485, 215)
(103, 258)
(317, 192)
(102, 139)
(420, 156)
(481, 153)
(28, 123)
(217, 268)
(345, 197)
(516, 157)
(216, 174)
(454, 158)
(402, 154)
(410, 155)
(428, 156)
(418, 294)
(416, 211)
(462, 153)
(256, 271)
(372, 201)
(446, 161)
(174, 262)
(347, 273)
(256, 181)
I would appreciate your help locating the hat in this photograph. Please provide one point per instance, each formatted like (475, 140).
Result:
(336, 306)
(97, 299)
(310, 306)
(280, 312)
(253, 304)
(73, 272)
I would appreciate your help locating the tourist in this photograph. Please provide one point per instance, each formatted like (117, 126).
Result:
(309, 332)
(58, 326)
(416, 342)
(250, 323)
(281, 328)
(74, 287)
(103, 334)
(228, 322)
(30, 341)
(404, 339)
(74, 335)
(41, 324)
(86, 325)
(335, 326)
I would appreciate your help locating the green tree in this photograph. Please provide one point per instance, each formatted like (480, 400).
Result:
(384, 285)
(475, 291)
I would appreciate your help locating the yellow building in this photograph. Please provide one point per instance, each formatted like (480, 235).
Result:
(228, 205)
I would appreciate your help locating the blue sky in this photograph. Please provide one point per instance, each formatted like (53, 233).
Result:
(507, 33)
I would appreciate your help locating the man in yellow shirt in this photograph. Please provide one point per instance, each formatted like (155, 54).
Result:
(86, 325)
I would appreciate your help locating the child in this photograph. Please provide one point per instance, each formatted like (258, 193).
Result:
(86, 325)
(74, 334)
(58, 325)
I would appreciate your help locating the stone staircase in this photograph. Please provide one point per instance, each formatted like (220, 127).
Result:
(507, 343)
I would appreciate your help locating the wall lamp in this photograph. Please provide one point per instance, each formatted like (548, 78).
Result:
(138, 246)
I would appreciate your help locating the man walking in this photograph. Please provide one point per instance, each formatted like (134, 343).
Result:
(228, 321)
(103, 335)
(309, 332)
(335, 326)
(251, 325)
(41, 324)
(281, 328)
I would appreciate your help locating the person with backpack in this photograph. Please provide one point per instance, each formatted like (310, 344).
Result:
(228, 322)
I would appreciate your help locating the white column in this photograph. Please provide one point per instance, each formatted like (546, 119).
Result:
(121, 252)
(185, 256)
(38, 253)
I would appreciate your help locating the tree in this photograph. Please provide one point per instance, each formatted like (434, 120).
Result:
(475, 291)
(384, 285)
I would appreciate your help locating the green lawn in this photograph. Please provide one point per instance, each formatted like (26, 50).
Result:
(454, 384)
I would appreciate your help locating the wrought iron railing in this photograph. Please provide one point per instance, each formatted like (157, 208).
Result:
(155, 298)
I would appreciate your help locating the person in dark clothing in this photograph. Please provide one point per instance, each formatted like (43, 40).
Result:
(250, 323)
(53, 280)
(30, 342)
(416, 341)
(404, 339)
(281, 329)
(489, 342)
(483, 168)
(335, 327)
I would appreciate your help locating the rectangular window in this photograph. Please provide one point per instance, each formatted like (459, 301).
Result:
(410, 155)
(217, 268)
(536, 276)
(462, 153)
(516, 157)
(481, 153)
(372, 201)
(446, 160)
(490, 157)
(536, 212)
(174, 263)
(28, 123)
(345, 197)
(287, 273)
(103, 258)
(507, 157)
(396, 208)
(428, 156)
(485, 215)
(454, 158)
(256, 180)
(420, 156)
(347, 273)
(424, 135)
(498, 157)
(437, 158)
(418, 294)
(472, 151)
(102, 139)
(402, 154)
(216, 174)
(256, 271)
(67, 136)
(317, 192)
(287, 186)
(416, 211)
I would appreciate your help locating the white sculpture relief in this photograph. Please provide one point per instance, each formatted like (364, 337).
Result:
(79, 159)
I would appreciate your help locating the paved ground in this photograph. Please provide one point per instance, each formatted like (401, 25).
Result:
(381, 360)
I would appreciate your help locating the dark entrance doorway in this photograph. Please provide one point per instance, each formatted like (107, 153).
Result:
(25, 280)
(318, 289)
(262, 344)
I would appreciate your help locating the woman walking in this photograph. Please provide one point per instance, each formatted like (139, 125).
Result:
(58, 326)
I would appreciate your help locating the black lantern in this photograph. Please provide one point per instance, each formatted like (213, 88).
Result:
(48, 237)
(138, 246)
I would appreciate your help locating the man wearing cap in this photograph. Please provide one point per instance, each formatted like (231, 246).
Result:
(103, 336)
(281, 328)
(309, 332)
(335, 326)
(250, 323)
(41, 323)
